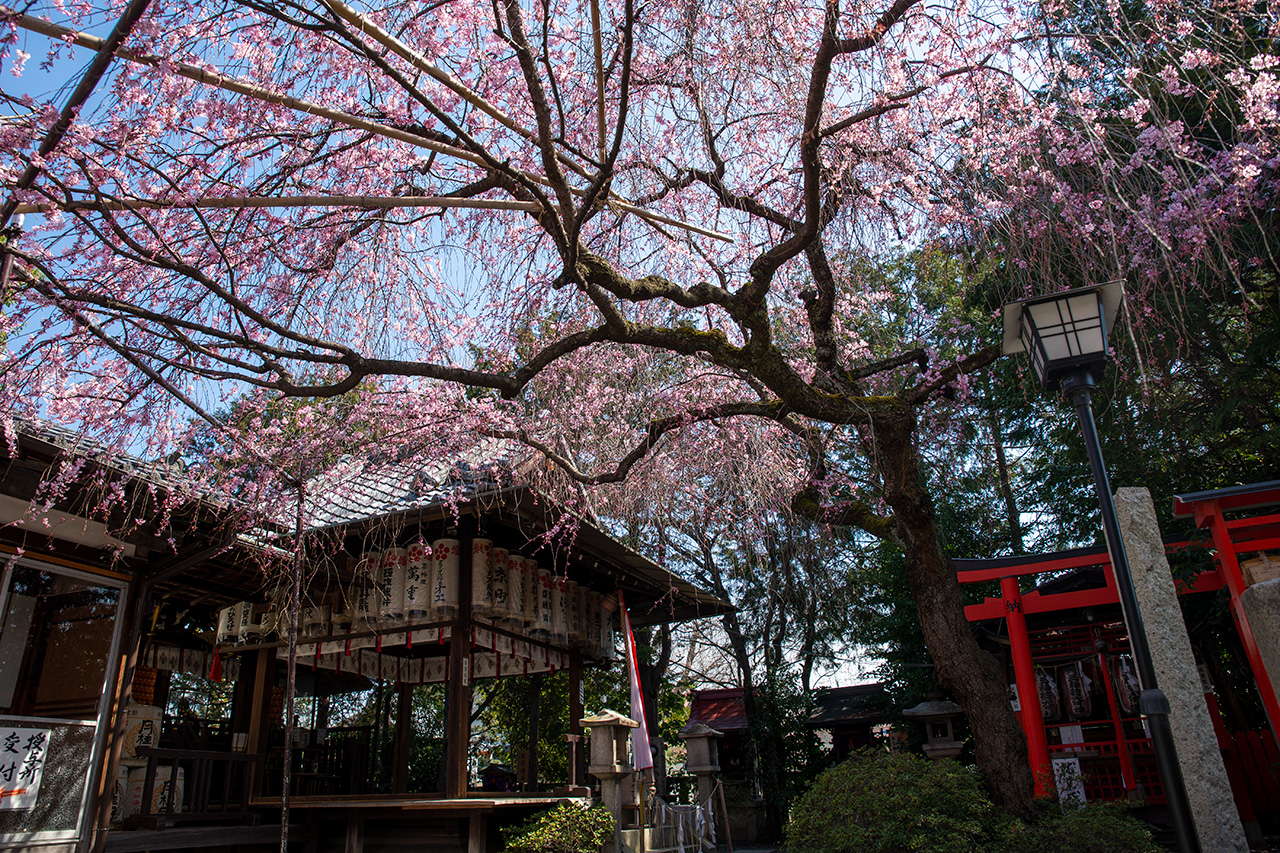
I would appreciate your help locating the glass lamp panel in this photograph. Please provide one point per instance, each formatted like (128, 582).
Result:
(1089, 341)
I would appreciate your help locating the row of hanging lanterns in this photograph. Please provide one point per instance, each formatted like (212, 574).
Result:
(420, 583)
(1066, 691)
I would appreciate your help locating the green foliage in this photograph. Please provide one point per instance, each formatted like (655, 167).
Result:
(885, 803)
(893, 803)
(789, 751)
(565, 829)
(1096, 828)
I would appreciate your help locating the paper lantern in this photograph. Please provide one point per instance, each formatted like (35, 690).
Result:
(559, 622)
(417, 581)
(500, 601)
(315, 620)
(606, 630)
(595, 627)
(515, 588)
(246, 630)
(573, 610)
(228, 624)
(340, 621)
(445, 596)
(532, 593)
(543, 626)
(364, 610)
(395, 561)
(481, 554)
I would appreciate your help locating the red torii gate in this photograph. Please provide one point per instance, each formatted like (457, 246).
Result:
(1230, 538)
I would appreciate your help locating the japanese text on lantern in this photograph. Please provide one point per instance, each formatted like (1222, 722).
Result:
(22, 754)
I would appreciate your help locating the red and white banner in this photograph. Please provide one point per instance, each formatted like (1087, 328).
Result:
(641, 755)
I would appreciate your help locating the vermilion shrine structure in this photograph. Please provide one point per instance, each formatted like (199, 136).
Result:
(1070, 624)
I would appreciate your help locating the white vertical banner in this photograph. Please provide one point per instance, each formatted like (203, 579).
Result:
(641, 755)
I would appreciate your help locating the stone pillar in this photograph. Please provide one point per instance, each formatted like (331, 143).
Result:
(1262, 607)
(1208, 791)
(610, 759)
(702, 756)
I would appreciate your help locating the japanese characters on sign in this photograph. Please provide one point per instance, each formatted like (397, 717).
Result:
(22, 755)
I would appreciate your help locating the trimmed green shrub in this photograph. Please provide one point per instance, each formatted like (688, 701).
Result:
(1096, 828)
(892, 803)
(565, 829)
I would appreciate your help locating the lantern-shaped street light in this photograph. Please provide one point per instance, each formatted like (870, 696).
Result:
(1066, 337)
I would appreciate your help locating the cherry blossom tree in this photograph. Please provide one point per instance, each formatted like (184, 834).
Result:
(639, 215)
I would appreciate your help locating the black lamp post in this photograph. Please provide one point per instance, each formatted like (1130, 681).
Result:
(1066, 337)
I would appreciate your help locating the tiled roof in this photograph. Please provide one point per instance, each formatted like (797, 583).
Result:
(861, 703)
(722, 710)
(357, 489)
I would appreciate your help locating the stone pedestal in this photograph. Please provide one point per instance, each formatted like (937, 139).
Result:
(1208, 791)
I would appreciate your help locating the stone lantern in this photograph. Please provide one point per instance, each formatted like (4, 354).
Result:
(702, 756)
(937, 715)
(610, 756)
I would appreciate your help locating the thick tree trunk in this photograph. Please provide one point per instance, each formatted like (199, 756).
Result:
(965, 670)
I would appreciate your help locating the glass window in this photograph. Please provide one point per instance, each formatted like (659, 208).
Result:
(55, 645)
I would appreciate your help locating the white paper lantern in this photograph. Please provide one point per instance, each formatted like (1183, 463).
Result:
(515, 588)
(246, 630)
(542, 628)
(481, 553)
(559, 620)
(340, 621)
(607, 651)
(500, 600)
(391, 583)
(363, 593)
(598, 616)
(315, 620)
(573, 610)
(532, 593)
(444, 598)
(228, 624)
(417, 581)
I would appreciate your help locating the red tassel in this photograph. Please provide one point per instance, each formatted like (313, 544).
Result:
(215, 671)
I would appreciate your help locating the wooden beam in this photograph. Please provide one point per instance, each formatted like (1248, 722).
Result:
(181, 563)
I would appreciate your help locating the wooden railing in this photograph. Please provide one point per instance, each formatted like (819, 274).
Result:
(216, 787)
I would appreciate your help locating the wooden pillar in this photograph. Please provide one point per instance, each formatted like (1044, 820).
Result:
(404, 736)
(535, 729)
(260, 717)
(1024, 673)
(577, 710)
(137, 600)
(458, 725)
(1122, 745)
(355, 831)
(477, 832)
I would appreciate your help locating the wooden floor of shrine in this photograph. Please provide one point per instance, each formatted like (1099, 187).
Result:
(379, 823)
